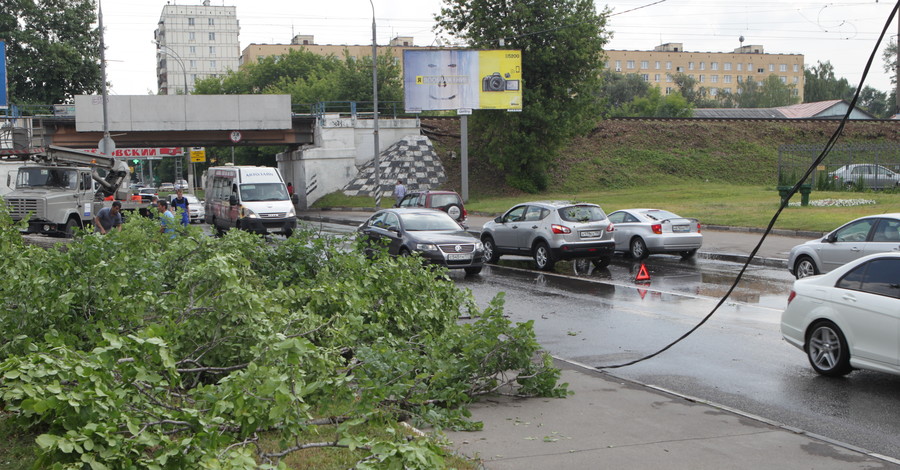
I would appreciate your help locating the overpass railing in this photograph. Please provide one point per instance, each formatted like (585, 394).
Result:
(357, 109)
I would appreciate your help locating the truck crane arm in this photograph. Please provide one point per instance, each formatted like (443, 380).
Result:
(117, 171)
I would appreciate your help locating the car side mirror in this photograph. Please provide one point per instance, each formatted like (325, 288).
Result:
(499, 219)
(830, 238)
(233, 200)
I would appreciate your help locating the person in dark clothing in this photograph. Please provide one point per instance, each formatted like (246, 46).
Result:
(109, 217)
(180, 203)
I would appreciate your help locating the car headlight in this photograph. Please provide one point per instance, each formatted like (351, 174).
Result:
(426, 247)
(291, 212)
(248, 213)
(479, 246)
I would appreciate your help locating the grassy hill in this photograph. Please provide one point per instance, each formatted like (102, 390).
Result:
(620, 154)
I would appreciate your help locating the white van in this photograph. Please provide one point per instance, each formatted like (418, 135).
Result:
(252, 198)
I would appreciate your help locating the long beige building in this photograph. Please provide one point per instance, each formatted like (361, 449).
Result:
(255, 52)
(718, 72)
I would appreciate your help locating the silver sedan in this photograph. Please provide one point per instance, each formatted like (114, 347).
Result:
(641, 232)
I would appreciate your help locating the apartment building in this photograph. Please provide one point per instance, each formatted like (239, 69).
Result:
(718, 72)
(255, 52)
(195, 42)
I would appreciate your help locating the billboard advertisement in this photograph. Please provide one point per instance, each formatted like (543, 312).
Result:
(3, 97)
(462, 80)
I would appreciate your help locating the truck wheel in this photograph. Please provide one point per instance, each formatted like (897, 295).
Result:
(71, 225)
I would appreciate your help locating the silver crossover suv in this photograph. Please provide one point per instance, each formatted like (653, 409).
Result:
(550, 231)
(855, 239)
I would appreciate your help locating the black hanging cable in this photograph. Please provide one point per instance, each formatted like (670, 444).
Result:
(825, 151)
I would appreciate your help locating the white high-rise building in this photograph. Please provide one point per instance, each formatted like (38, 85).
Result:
(195, 42)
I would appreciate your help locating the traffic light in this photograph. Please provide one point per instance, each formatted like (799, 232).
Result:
(135, 161)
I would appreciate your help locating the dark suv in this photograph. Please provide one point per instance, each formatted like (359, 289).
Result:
(447, 201)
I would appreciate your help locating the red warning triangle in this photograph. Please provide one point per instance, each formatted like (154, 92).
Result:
(642, 274)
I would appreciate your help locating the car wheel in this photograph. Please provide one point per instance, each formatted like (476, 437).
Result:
(638, 249)
(601, 263)
(849, 186)
(404, 252)
(688, 254)
(543, 258)
(827, 350)
(71, 225)
(473, 270)
(804, 267)
(490, 250)
(454, 211)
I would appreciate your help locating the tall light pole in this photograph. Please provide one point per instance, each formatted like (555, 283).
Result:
(171, 53)
(375, 100)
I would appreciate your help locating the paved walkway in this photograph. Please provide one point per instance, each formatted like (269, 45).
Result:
(610, 422)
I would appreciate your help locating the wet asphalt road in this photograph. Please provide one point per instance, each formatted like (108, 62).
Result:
(738, 359)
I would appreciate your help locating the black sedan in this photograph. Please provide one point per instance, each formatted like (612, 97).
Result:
(431, 233)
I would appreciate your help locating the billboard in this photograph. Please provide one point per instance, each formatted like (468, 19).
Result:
(462, 80)
(3, 97)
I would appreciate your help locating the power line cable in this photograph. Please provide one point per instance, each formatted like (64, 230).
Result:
(825, 151)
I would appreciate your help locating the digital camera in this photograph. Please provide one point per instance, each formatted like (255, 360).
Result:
(497, 82)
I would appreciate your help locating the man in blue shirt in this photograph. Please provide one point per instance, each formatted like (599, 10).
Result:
(166, 218)
(179, 202)
(109, 217)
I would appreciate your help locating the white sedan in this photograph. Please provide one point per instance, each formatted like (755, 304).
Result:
(641, 232)
(849, 318)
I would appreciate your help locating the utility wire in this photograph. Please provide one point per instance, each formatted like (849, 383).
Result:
(825, 151)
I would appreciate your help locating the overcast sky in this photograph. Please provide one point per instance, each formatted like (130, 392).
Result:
(843, 32)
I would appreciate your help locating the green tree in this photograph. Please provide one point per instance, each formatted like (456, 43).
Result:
(821, 84)
(770, 93)
(619, 89)
(890, 60)
(562, 44)
(875, 101)
(53, 51)
(697, 96)
(654, 104)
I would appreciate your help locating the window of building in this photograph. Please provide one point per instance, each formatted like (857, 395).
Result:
(740, 79)
(783, 79)
(795, 92)
(668, 78)
(760, 70)
(629, 64)
(771, 67)
(668, 90)
(212, 51)
(796, 80)
(618, 66)
(191, 36)
(727, 78)
(727, 66)
(212, 64)
(656, 78)
(190, 22)
(212, 36)
(702, 65)
(194, 77)
(211, 22)
(782, 67)
(713, 91)
(646, 77)
(668, 65)
(714, 78)
(690, 66)
(192, 63)
(645, 64)
(740, 67)
(192, 49)
(702, 78)
(714, 66)
(657, 65)
(679, 69)
(796, 68)
(749, 66)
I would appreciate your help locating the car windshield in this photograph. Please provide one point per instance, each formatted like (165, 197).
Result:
(47, 178)
(657, 215)
(581, 214)
(263, 192)
(441, 200)
(427, 222)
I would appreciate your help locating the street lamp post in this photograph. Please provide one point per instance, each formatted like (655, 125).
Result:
(375, 100)
(171, 53)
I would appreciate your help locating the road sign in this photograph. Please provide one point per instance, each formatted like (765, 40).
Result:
(198, 154)
(235, 136)
(106, 146)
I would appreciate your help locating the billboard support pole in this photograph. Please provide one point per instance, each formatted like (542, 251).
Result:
(375, 115)
(464, 155)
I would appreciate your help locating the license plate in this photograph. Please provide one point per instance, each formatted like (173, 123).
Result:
(458, 257)
(591, 234)
(681, 228)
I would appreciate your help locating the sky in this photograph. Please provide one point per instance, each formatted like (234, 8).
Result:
(842, 32)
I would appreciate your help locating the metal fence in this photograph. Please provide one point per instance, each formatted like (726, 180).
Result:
(846, 167)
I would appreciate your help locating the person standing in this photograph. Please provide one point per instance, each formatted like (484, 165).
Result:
(109, 217)
(290, 188)
(399, 192)
(179, 202)
(166, 218)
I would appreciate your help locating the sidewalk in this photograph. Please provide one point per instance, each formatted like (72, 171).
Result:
(609, 422)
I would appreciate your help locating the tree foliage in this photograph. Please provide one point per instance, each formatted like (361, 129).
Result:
(889, 56)
(770, 93)
(133, 350)
(562, 43)
(821, 84)
(310, 78)
(53, 51)
(617, 89)
(654, 104)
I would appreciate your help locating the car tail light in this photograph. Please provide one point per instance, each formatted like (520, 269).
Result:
(610, 227)
(657, 228)
(560, 229)
(698, 227)
(465, 214)
(791, 296)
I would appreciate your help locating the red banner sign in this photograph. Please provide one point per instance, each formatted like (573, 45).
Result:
(152, 152)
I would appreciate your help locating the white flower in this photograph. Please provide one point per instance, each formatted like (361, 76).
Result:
(836, 203)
